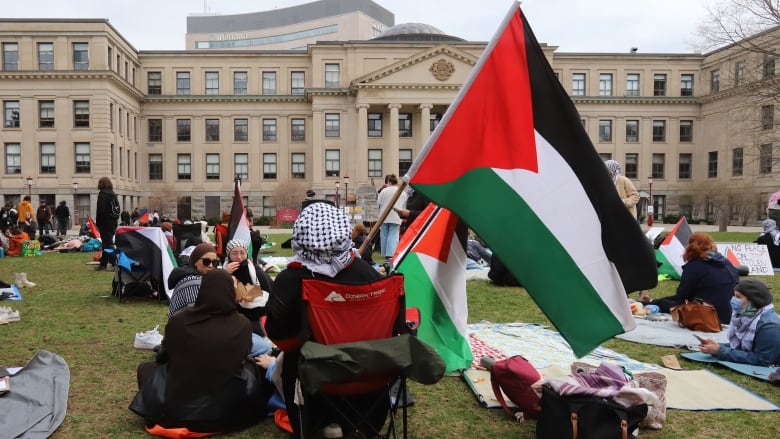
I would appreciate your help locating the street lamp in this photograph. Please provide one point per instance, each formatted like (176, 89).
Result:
(650, 202)
(346, 190)
(75, 203)
(29, 186)
(336, 195)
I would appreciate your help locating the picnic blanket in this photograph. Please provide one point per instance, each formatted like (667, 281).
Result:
(11, 293)
(668, 333)
(541, 346)
(759, 372)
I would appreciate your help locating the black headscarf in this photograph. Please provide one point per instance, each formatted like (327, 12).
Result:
(207, 343)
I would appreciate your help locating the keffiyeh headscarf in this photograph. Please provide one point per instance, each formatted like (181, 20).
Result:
(770, 226)
(614, 169)
(322, 239)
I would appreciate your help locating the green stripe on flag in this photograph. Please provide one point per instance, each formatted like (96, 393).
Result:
(530, 250)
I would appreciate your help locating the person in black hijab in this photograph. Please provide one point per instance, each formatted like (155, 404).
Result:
(209, 383)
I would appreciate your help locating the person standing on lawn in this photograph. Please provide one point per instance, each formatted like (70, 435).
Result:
(43, 216)
(62, 213)
(106, 217)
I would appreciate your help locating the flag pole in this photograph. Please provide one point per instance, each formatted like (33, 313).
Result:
(381, 219)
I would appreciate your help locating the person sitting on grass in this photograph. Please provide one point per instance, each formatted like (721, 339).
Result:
(185, 281)
(203, 379)
(754, 330)
(16, 238)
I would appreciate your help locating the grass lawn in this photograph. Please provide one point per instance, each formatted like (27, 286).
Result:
(71, 313)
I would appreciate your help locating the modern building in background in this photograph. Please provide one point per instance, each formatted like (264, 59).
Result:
(292, 28)
(174, 128)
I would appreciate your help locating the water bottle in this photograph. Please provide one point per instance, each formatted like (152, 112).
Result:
(652, 309)
(2, 252)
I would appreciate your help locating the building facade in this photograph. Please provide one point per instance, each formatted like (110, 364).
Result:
(174, 128)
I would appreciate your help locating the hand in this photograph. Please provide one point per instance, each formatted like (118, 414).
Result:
(403, 213)
(709, 346)
(232, 266)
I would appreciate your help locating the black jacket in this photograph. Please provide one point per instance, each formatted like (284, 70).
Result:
(104, 215)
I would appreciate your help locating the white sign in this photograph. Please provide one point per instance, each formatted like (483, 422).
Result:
(753, 256)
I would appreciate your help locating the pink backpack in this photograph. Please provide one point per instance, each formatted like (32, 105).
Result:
(515, 376)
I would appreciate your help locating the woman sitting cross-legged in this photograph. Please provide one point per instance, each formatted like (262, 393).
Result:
(203, 379)
(754, 331)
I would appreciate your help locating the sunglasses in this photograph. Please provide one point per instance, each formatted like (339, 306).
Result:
(206, 262)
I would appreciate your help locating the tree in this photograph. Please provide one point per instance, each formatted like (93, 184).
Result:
(746, 33)
(289, 194)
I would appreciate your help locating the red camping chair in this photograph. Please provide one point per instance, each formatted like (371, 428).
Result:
(347, 313)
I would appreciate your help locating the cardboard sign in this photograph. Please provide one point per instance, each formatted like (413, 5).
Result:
(753, 256)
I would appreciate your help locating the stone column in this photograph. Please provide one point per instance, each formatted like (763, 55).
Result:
(361, 146)
(425, 124)
(391, 142)
(317, 154)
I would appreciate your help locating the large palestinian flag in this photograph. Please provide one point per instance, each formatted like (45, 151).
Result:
(433, 262)
(149, 247)
(238, 228)
(512, 159)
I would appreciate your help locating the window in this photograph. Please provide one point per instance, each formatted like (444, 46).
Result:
(737, 161)
(182, 83)
(578, 84)
(183, 130)
(11, 114)
(120, 118)
(111, 115)
(632, 84)
(10, 57)
(297, 130)
(154, 82)
(714, 81)
(435, 119)
(685, 166)
(81, 114)
(767, 117)
(604, 156)
(765, 159)
(332, 162)
(632, 165)
(212, 167)
(212, 83)
(404, 161)
(80, 56)
(269, 83)
(155, 167)
(269, 130)
(241, 165)
(241, 130)
(686, 85)
(374, 124)
(212, 130)
(297, 81)
(658, 169)
(268, 207)
(659, 84)
(605, 131)
(298, 165)
(332, 75)
(712, 164)
(184, 166)
(155, 130)
(240, 83)
(83, 158)
(404, 124)
(632, 131)
(48, 158)
(769, 65)
(13, 158)
(686, 131)
(739, 73)
(605, 84)
(269, 165)
(45, 56)
(46, 114)
(659, 131)
(374, 162)
(332, 125)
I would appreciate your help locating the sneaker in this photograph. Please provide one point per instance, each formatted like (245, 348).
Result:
(332, 431)
(148, 339)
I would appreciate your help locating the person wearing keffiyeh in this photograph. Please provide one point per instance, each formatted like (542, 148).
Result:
(626, 190)
(770, 237)
(322, 242)
(754, 330)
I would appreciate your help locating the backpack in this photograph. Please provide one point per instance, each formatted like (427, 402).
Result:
(115, 208)
(515, 376)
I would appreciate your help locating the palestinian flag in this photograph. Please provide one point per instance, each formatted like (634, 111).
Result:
(433, 262)
(512, 160)
(149, 247)
(92, 227)
(673, 246)
(144, 216)
(238, 228)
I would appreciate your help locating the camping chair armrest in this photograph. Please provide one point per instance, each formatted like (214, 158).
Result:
(412, 321)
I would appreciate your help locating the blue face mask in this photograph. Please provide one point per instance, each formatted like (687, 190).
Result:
(736, 304)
